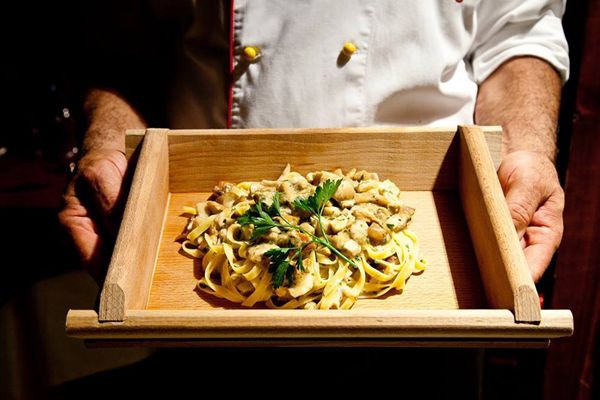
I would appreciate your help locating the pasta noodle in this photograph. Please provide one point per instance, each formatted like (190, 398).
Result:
(356, 246)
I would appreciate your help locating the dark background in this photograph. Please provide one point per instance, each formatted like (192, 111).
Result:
(51, 51)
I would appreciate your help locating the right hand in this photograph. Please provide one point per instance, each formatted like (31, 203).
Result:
(90, 210)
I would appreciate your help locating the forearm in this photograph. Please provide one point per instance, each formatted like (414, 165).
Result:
(109, 116)
(522, 95)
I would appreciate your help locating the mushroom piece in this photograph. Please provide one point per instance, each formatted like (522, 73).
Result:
(256, 253)
(213, 207)
(377, 234)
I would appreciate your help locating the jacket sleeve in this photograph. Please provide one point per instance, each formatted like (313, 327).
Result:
(511, 28)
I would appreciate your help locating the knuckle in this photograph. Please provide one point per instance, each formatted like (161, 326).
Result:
(519, 213)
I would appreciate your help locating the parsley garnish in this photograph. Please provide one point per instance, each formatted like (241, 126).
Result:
(263, 219)
(279, 266)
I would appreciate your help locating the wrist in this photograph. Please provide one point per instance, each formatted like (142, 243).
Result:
(530, 153)
(98, 139)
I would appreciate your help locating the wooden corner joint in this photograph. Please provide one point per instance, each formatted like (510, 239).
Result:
(527, 309)
(112, 304)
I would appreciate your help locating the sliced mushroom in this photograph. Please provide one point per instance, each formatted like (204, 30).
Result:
(213, 207)
(377, 234)
(256, 253)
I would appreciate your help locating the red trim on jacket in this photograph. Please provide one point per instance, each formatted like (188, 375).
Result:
(231, 66)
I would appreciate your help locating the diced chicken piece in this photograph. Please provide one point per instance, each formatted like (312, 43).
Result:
(289, 193)
(367, 185)
(327, 176)
(389, 187)
(256, 253)
(377, 234)
(397, 222)
(331, 211)
(358, 231)
(269, 183)
(351, 248)
(345, 191)
(347, 203)
(303, 283)
(339, 223)
(339, 240)
(364, 175)
(324, 250)
(292, 219)
(307, 227)
(324, 221)
(297, 238)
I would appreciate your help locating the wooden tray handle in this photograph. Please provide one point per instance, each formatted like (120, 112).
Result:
(504, 271)
(130, 271)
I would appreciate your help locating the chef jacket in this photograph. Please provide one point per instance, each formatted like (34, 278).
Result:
(282, 63)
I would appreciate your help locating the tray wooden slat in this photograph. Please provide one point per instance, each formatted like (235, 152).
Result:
(253, 324)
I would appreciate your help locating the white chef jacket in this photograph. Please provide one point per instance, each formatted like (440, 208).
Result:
(418, 62)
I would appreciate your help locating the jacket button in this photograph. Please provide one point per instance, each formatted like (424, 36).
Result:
(251, 53)
(349, 49)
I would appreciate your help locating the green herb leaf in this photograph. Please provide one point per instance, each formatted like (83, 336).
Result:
(299, 264)
(260, 218)
(281, 270)
(325, 192)
(275, 209)
(316, 202)
(279, 266)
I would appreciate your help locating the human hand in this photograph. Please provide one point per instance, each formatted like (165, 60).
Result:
(536, 202)
(90, 207)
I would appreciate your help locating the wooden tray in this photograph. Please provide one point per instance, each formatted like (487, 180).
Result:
(476, 291)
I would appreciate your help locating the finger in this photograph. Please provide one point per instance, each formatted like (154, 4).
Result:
(81, 229)
(538, 258)
(101, 186)
(521, 205)
(104, 184)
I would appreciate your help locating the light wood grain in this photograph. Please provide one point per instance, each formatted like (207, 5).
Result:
(129, 275)
(414, 158)
(133, 139)
(263, 324)
(506, 277)
(317, 342)
(451, 281)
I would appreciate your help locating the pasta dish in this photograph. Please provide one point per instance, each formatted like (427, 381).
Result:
(318, 241)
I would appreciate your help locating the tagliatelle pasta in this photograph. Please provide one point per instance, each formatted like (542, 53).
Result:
(318, 241)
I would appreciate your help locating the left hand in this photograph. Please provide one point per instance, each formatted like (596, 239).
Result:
(536, 202)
